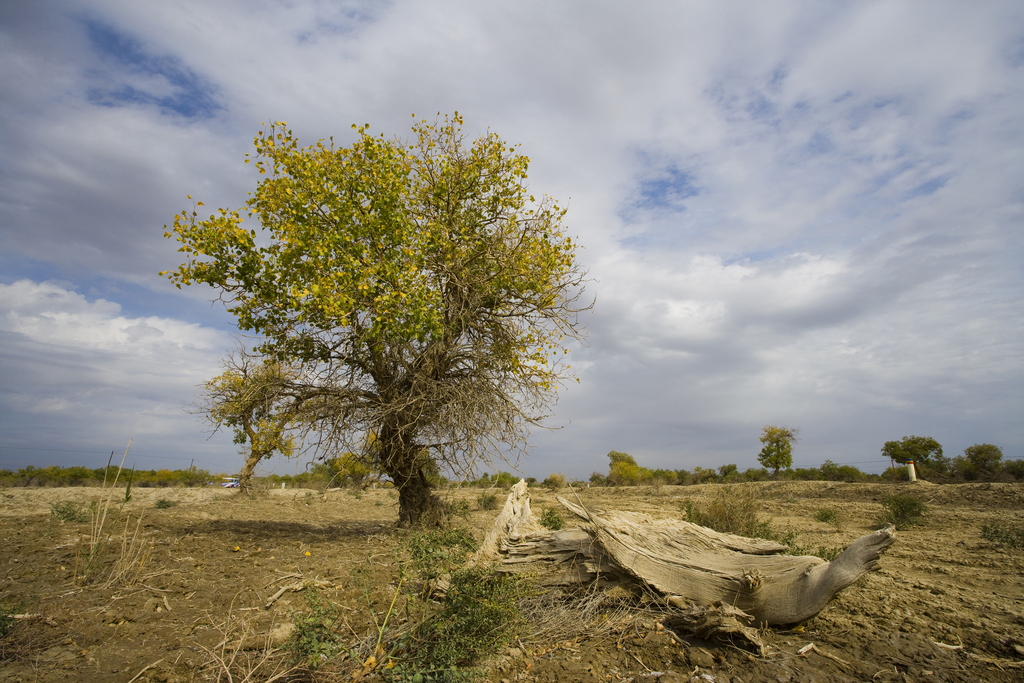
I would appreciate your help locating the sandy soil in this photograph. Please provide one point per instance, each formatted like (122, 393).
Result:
(216, 558)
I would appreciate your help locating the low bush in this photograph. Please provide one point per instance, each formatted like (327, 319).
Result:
(829, 515)
(730, 511)
(477, 617)
(901, 510)
(163, 504)
(1011, 537)
(735, 511)
(447, 635)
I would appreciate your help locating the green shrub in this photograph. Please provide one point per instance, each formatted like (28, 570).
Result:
(552, 519)
(478, 617)
(163, 504)
(446, 635)
(902, 510)
(830, 516)
(487, 501)
(68, 511)
(1011, 537)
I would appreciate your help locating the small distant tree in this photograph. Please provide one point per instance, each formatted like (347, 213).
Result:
(250, 396)
(778, 447)
(624, 471)
(554, 482)
(920, 449)
(703, 475)
(979, 460)
(349, 469)
(726, 470)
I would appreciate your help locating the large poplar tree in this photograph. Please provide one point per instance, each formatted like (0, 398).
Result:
(426, 298)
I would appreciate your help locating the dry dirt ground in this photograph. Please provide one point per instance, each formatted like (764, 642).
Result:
(945, 605)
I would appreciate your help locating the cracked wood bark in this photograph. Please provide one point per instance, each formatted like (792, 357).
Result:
(680, 558)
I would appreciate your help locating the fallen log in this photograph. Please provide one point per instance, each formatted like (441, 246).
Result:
(677, 558)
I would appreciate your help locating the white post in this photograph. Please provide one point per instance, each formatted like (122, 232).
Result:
(911, 471)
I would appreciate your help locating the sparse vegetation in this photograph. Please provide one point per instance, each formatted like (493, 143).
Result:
(487, 501)
(7, 620)
(733, 510)
(317, 637)
(1005, 535)
(730, 511)
(68, 511)
(452, 508)
(902, 510)
(163, 503)
(279, 529)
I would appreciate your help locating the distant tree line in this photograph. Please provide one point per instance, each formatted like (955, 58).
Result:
(84, 476)
(980, 462)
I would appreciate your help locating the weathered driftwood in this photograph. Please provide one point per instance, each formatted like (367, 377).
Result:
(679, 559)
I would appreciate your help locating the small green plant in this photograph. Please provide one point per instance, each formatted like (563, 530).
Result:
(163, 504)
(552, 519)
(830, 516)
(902, 510)
(1011, 537)
(7, 620)
(316, 638)
(487, 501)
(68, 511)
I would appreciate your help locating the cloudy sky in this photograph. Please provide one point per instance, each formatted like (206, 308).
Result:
(799, 213)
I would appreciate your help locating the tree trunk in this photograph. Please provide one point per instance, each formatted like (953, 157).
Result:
(255, 455)
(245, 476)
(417, 505)
(682, 559)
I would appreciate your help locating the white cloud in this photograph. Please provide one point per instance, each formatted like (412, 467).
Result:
(77, 373)
(800, 212)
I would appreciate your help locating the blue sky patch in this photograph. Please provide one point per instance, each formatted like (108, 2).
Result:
(163, 81)
(929, 187)
(666, 190)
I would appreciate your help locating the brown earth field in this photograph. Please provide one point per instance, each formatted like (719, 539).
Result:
(944, 605)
